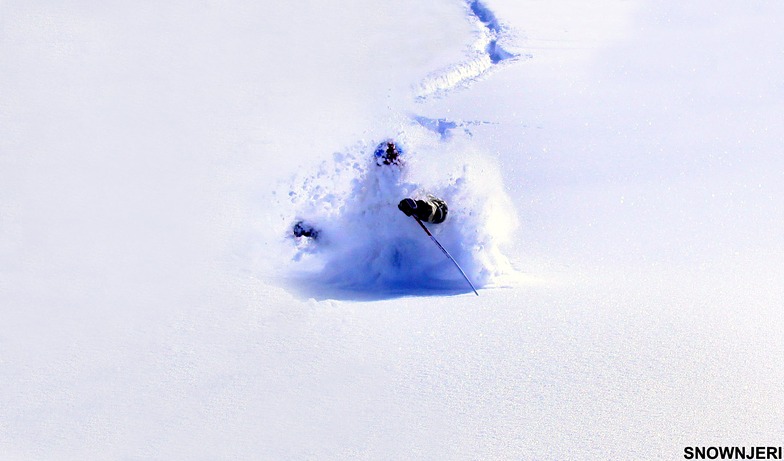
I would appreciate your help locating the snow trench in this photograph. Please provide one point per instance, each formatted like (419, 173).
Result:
(483, 55)
(366, 248)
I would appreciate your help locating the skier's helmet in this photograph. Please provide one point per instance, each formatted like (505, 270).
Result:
(388, 153)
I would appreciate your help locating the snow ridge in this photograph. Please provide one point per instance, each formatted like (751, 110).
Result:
(485, 53)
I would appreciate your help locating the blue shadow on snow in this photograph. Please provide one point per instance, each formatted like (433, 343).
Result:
(324, 290)
(487, 17)
(441, 126)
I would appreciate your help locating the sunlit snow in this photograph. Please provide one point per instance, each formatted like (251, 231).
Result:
(614, 177)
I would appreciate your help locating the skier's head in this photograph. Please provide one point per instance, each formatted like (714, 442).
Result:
(387, 153)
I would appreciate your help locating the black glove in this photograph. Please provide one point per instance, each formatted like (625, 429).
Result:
(407, 206)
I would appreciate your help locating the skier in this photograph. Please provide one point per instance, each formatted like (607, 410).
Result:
(431, 209)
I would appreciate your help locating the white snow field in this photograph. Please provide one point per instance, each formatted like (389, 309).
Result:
(614, 174)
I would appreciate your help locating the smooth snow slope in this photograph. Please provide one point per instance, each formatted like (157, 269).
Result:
(144, 149)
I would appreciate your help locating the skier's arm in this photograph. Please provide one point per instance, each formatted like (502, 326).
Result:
(419, 208)
(408, 206)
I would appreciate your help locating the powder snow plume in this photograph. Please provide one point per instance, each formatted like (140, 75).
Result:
(366, 248)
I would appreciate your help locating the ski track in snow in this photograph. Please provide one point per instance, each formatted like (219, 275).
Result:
(484, 55)
(366, 248)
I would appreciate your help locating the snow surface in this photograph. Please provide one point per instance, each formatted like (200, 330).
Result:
(147, 156)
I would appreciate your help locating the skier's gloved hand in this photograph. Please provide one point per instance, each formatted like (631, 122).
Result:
(407, 206)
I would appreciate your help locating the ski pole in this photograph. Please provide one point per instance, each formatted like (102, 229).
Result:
(427, 231)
